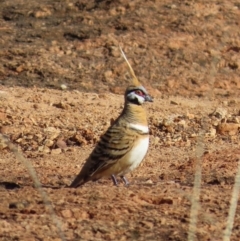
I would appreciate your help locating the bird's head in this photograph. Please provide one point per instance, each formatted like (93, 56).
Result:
(135, 93)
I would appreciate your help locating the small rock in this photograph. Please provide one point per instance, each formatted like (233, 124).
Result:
(66, 213)
(149, 181)
(174, 102)
(40, 148)
(215, 122)
(182, 123)
(234, 119)
(193, 135)
(5, 129)
(61, 143)
(211, 132)
(48, 142)
(56, 151)
(190, 116)
(147, 224)
(3, 94)
(46, 149)
(225, 103)
(35, 106)
(63, 86)
(102, 96)
(115, 52)
(156, 140)
(43, 13)
(20, 68)
(173, 45)
(161, 200)
(108, 75)
(3, 116)
(170, 129)
(219, 113)
(18, 205)
(62, 105)
(51, 132)
(80, 214)
(3, 144)
(173, 6)
(228, 128)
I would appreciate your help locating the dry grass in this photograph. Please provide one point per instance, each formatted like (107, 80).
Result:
(46, 200)
(195, 205)
(233, 206)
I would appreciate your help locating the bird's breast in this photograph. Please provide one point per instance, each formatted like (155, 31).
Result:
(136, 155)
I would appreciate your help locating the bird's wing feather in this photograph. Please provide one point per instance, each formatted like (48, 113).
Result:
(113, 145)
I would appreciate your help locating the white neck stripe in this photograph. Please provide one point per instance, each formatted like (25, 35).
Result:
(139, 127)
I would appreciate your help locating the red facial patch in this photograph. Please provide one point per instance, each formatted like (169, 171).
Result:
(139, 92)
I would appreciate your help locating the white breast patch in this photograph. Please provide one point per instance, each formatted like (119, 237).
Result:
(139, 127)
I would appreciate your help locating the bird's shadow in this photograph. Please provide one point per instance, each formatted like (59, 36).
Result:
(9, 185)
(54, 187)
(12, 186)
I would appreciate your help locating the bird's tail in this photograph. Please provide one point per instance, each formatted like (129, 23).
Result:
(78, 181)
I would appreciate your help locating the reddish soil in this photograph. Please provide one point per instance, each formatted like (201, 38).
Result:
(62, 81)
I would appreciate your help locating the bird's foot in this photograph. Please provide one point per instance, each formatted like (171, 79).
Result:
(125, 180)
(114, 179)
(115, 182)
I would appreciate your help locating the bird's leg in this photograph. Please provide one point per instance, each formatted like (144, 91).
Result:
(125, 180)
(114, 180)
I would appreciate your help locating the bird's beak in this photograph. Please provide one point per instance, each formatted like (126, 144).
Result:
(148, 98)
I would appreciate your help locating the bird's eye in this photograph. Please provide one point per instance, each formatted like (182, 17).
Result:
(139, 92)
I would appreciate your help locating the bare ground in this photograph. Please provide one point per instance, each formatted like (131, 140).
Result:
(185, 53)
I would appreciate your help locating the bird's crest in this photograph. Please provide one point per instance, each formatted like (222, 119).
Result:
(134, 78)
